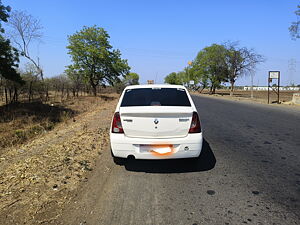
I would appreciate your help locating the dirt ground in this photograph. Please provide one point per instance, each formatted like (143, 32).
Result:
(285, 97)
(39, 177)
(22, 121)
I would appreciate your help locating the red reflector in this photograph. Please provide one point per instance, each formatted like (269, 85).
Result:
(116, 124)
(195, 124)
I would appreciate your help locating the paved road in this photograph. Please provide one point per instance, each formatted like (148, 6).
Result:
(249, 173)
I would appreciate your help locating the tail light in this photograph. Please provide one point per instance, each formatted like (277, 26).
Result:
(195, 125)
(116, 124)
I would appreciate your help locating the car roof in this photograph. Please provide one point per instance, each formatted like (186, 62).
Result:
(155, 86)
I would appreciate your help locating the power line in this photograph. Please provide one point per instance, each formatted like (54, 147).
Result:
(292, 69)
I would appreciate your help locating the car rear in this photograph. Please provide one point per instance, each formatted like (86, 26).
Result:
(156, 122)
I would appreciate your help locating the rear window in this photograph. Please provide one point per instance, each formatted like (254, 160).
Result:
(155, 97)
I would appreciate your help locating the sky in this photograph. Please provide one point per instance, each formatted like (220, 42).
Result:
(160, 37)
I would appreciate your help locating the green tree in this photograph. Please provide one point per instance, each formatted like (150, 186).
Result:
(174, 78)
(9, 60)
(210, 66)
(92, 54)
(76, 77)
(9, 57)
(295, 26)
(131, 79)
(200, 78)
(240, 61)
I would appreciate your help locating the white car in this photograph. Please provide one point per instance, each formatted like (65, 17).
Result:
(155, 122)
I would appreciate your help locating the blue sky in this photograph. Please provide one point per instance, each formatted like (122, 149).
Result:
(159, 37)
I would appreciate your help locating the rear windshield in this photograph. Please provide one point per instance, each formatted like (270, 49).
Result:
(155, 97)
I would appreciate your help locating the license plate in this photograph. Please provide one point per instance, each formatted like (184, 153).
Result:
(159, 149)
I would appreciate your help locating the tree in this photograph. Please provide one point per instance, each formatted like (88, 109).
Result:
(92, 54)
(25, 29)
(9, 59)
(4, 14)
(32, 82)
(174, 78)
(295, 27)
(76, 78)
(131, 79)
(199, 77)
(239, 61)
(210, 66)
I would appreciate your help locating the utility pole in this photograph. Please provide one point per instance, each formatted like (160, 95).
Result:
(291, 70)
(252, 75)
(187, 71)
(155, 77)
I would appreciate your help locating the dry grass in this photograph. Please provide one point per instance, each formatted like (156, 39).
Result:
(261, 96)
(20, 122)
(23, 121)
(37, 178)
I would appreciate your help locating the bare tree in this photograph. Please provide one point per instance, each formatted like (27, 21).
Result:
(240, 61)
(295, 26)
(24, 30)
(33, 83)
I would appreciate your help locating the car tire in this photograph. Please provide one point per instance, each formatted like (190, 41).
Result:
(119, 161)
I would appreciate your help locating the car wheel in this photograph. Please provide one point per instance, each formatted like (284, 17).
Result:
(119, 161)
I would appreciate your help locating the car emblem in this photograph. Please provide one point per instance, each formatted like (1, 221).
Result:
(156, 121)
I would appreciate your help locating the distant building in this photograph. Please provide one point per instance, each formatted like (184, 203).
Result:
(150, 81)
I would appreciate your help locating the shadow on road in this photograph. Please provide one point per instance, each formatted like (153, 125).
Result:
(205, 162)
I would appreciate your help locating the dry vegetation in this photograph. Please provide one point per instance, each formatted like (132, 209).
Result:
(259, 96)
(38, 177)
(19, 122)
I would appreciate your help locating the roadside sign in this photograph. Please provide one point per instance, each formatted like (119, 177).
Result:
(274, 74)
(150, 81)
(192, 82)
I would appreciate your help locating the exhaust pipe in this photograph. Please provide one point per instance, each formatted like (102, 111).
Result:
(131, 157)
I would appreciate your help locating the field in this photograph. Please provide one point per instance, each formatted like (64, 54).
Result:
(259, 96)
(47, 151)
(22, 121)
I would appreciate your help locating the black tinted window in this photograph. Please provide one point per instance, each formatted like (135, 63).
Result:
(155, 97)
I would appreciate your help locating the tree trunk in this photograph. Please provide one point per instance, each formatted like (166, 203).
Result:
(10, 93)
(30, 91)
(6, 97)
(200, 90)
(94, 87)
(16, 94)
(47, 93)
(214, 90)
(95, 91)
(62, 92)
(231, 87)
(211, 89)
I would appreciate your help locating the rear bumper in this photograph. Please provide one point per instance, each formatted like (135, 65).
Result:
(187, 147)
